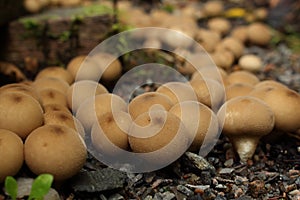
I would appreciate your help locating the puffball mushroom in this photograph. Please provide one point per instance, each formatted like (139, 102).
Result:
(240, 33)
(55, 149)
(110, 132)
(242, 77)
(142, 103)
(208, 39)
(250, 62)
(245, 120)
(20, 113)
(259, 33)
(81, 90)
(64, 119)
(213, 8)
(238, 89)
(56, 72)
(214, 73)
(94, 107)
(55, 107)
(49, 82)
(11, 153)
(223, 58)
(232, 44)
(74, 65)
(269, 83)
(161, 132)
(285, 103)
(177, 91)
(219, 25)
(53, 96)
(200, 121)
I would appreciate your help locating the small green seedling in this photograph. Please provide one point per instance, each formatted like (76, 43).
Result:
(40, 187)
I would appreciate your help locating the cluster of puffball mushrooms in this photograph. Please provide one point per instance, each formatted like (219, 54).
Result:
(42, 123)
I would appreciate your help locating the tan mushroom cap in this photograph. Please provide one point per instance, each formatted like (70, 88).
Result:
(56, 72)
(49, 82)
(269, 83)
(74, 65)
(109, 133)
(238, 89)
(177, 92)
(11, 153)
(81, 91)
(285, 103)
(245, 120)
(250, 63)
(219, 25)
(64, 119)
(214, 73)
(53, 96)
(158, 132)
(94, 107)
(200, 121)
(223, 58)
(55, 149)
(23, 88)
(149, 100)
(259, 33)
(242, 77)
(55, 107)
(231, 44)
(240, 33)
(20, 113)
(208, 39)
(213, 8)
(209, 92)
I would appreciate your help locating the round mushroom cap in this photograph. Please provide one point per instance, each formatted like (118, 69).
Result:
(223, 58)
(240, 33)
(245, 120)
(208, 39)
(109, 133)
(259, 33)
(269, 83)
(242, 77)
(213, 8)
(161, 133)
(55, 107)
(177, 92)
(209, 92)
(94, 107)
(53, 96)
(81, 90)
(11, 153)
(49, 82)
(219, 25)
(55, 149)
(74, 65)
(56, 72)
(20, 113)
(238, 89)
(232, 44)
(200, 121)
(285, 103)
(64, 119)
(149, 100)
(250, 62)
(214, 73)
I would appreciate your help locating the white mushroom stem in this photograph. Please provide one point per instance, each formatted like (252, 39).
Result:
(245, 146)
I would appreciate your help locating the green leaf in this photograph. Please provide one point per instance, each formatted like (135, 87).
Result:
(11, 187)
(41, 186)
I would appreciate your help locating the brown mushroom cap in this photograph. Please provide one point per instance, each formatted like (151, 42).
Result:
(200, 122)
(242, 77)
(217, 74)
(213, 8)
(269, 83)
(240, 33)
(55, 149)
(56, 72)
(111, 129)
(208, 39)
(94, 107)
(144, 102)
(232, 44)
(223, 58)
(245, 120)
(250, 62)
(259, 33)
(285, 103)
(81, 91)
(238, 89)
(43, 83)
(55, 107)
(74, 65)
(177, 92)
(219, 25)
(64, 119)
(20, 113)
(159, 132)
(53, 96)
(11, 153)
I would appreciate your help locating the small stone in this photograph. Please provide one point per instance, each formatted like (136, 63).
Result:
(205, 178)
(228, 163)
(201, 187)
(200, 162)
(226, 170)
(185, 190)
(164, 196)
(239, 180)
(221, 186)
(116, 197)
(148, 197)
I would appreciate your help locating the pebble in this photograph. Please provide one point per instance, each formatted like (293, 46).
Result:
(221, 186)
(228, 163)
(226, 170)
(185, 190)
(201, 163)
(116, 197)
(164, 196)
(201, 187)
(239, 180)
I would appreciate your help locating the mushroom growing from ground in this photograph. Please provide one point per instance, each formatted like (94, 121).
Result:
(11, 153)
(238, 89)
(49, 82)
(259, 33)
(219, 25)
(242, 77)
(56, 72)
(55, 149)
(20, 113)
(250, 62)
(149, 100)
(245, 120)
(53, 96)
(74, 65)
(200, 121)
(213, 8)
